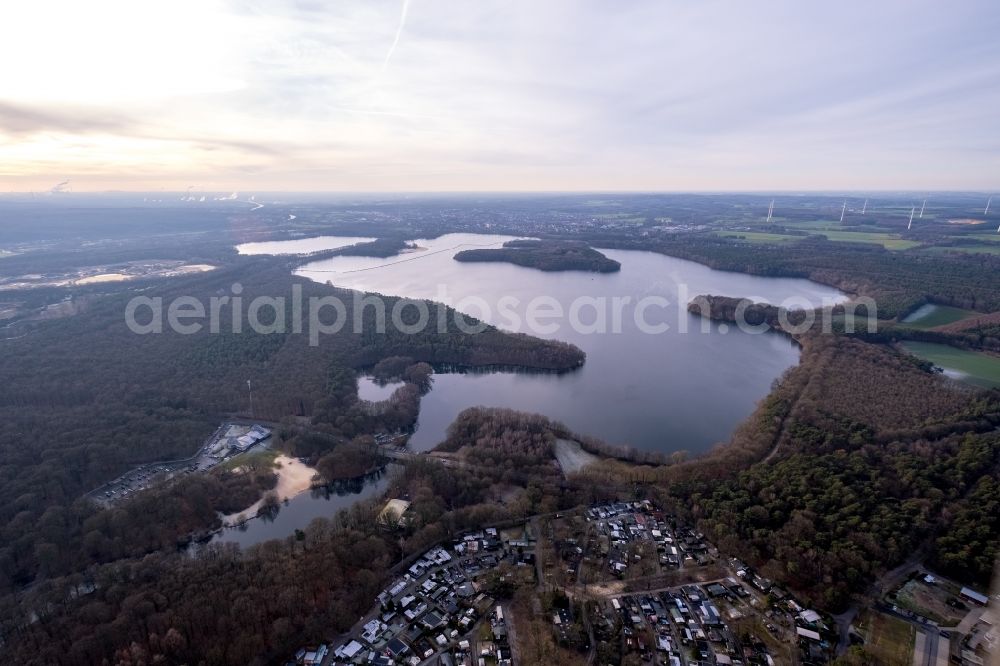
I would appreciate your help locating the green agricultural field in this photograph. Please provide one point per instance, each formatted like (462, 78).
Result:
(806, 225)
(930, 316)
(971, 367)
(885, 240)
(821, 226)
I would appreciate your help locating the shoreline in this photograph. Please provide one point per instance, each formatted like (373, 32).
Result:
(294, 478)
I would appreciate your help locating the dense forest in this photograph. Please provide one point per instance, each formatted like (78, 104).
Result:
(57, 539)
(858, 460)
(101, 399)
(825, 520)
(545, 255)
(519, 444)
(349, 460)
(223, 606)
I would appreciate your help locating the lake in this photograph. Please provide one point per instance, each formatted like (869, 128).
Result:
(300, 245)
(373, 391)
(685, 388)
(301, 510)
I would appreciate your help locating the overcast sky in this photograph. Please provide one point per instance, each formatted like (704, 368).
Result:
(383, 95)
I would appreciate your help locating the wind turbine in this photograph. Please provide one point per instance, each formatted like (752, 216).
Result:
(988, 202)
(770, 210)
(922, 209)
(864, 207)
(251, 398)
(912, 211)
(843, 210)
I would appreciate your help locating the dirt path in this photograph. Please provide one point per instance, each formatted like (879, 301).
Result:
(784, 421)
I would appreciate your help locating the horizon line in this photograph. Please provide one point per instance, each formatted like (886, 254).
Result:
(257, 192)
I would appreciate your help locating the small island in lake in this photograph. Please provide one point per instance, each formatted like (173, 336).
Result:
(545, 255)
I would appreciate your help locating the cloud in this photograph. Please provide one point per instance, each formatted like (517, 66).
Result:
(266, 149)
(399, 33)
(18, 119)
(517, 95)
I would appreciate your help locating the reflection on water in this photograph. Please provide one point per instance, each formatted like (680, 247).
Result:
(298, 512)
(371, 390)
(682, 389)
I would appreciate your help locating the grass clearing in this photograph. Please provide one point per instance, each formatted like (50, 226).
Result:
(931, 316)
(759, 237)
(889, 640)
(972, 367)
(931, 601)
(513, 534)
(485, 632)
(260, 458)
(811, 226)
(888, 241)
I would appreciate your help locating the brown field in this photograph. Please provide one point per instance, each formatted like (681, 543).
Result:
(887, 639)
(930, 601)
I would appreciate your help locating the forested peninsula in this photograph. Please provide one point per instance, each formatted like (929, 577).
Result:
(545, 255)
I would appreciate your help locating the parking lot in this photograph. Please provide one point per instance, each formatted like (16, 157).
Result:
(214, 451)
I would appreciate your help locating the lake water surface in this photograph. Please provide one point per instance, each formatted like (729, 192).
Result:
(299, 511)
(682, 389)
(300, 245)
(373, 391)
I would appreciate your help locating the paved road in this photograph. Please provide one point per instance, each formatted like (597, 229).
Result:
(969, 621)
(930, 649)
(924, 646)
(943, 651)
(880, 586)
(396, 453)
(613, 594)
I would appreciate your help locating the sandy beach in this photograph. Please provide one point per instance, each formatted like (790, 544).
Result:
(103, 277)
(294, 477)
